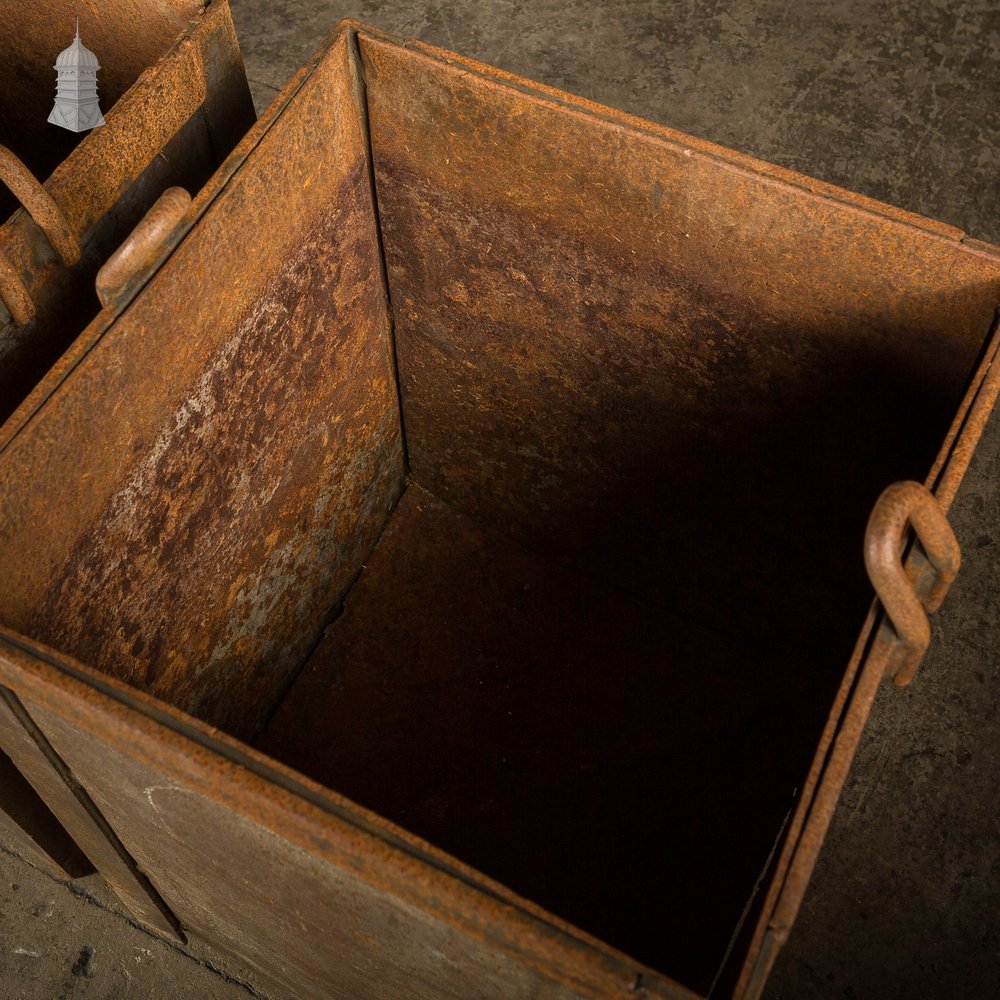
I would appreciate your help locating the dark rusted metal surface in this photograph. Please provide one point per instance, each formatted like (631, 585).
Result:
(174, 126)
(39, 763)
(663, 363)
(144, 244)
(677, 376)
(900, 505)
(610, 340)
(869, 662)
(563, 728)
(127, 35)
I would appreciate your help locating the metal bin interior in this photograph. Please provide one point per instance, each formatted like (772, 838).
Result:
(501, 463)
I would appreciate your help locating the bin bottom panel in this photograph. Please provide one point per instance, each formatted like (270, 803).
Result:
(625, 768)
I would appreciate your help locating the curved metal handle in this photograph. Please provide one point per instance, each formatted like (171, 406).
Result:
(40, 206)
(50, 219)
(143, 244)
(899, 505)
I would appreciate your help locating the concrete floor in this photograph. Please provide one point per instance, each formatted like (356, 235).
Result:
(898, 101)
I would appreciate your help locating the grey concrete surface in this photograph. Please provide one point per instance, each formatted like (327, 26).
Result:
(59, 942)
(898, 100)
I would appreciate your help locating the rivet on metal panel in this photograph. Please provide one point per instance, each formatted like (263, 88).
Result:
(143, 244)
(901, 504)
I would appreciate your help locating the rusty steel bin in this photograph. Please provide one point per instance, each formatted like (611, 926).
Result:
(440, 568)
(175, 100)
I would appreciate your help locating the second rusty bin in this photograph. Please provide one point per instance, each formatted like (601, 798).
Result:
(176, 102)
(493, 469)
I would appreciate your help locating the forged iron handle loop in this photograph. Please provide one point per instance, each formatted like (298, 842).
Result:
(142, 244)
(39, 205)
(50, 219)
(899, 505)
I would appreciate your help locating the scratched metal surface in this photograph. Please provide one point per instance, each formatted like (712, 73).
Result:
(339, 937)
(126, 35)
(174, 126)
(73, 807)
(211, 475)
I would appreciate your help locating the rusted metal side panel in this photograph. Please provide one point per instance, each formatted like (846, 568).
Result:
(127, 36)
(665, 363)
(228, 107)
(312, 891)
(187, 508)
(173, 127)
(628, 351)
(120, 300)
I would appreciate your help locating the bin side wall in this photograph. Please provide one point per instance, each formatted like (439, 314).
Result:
(671, 369)
(188, 508)
(668, 369)
(243, 888)
(319, 897)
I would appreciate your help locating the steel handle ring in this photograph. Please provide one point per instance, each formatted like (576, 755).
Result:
(901, 504)
(143, 243)
(14, 295)
(48, 216)
(39, 205)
